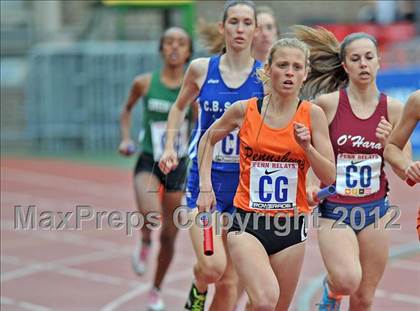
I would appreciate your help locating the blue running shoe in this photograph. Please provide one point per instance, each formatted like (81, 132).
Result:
(329, 301)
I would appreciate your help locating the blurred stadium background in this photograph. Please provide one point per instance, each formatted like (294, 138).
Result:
(66, 66)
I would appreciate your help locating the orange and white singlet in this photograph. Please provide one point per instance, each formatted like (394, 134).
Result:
(272, 164)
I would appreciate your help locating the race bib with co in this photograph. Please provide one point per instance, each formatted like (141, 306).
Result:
(358, 174)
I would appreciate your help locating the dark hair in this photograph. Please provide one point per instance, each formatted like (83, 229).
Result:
(353, 37)
(163, 37)
(212, 40)
(267, 10)
(327, 73)
(232, 3)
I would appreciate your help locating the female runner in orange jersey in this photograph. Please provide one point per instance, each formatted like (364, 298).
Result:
(280, 138)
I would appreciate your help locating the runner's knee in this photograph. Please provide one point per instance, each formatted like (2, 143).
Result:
(264, 305)
(363, 300)
(209, 271)
(265, 299)
(229, 287)
(345, 282)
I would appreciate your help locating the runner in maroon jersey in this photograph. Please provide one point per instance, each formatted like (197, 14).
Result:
(360, 119)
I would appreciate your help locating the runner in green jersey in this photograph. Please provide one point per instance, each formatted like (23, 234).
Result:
(159, 90)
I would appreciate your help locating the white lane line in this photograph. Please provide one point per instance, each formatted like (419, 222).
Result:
(87, 258)
(22, 304)
(90, 276)
(59, 267)
(141, 289)
(307, 293)
(114, 304)
(6, 301)
(32, 307)
(7, 195)
(406, 265)
(410, 299)
(180, 275)
(19, 273)
(12, 199)
(75, 237)
(53, 265)
(401, 237)
(175, 292)
(11, 260)
(76, 273)
(54, 181)
(18, 205)
(405, 298)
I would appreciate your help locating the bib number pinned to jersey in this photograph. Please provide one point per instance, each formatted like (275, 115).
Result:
(358, 175)
(273, 185)
(227, 150)
(158, 130)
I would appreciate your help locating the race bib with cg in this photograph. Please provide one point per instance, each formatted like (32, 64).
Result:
(358, 174)
(273, 185)
(158, 130)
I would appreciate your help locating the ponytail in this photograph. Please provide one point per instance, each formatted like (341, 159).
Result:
(327, 73)
(213, 41)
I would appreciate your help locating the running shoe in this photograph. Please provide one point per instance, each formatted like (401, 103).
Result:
(139, 257)
(195, 300)
(329, 301)
(155, 301)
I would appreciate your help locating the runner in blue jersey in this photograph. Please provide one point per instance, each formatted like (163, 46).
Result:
(216, 83)
(214, 98)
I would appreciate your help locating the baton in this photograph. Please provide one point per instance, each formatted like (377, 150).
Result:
(410, 182)
(325, 192)
(208, 237)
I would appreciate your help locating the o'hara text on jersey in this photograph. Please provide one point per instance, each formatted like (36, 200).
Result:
(358, 141)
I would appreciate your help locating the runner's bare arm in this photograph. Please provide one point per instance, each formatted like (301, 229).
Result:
(190, 89)
(398, 150)
(312, 187)
(193, 80)
(320, 153)
(328, 104)
(139, 87)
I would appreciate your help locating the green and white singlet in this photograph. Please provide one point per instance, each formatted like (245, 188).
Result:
(157, 103)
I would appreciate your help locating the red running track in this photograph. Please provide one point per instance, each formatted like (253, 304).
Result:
(89, 269)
